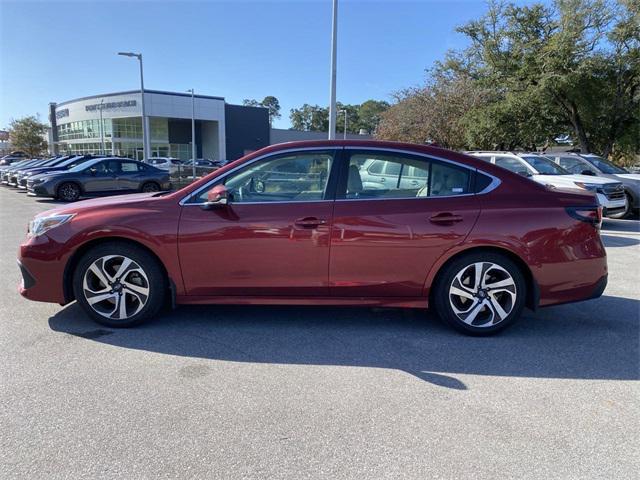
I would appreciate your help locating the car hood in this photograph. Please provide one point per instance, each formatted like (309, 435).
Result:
(569, 181)
(133, 199)
(629, 176)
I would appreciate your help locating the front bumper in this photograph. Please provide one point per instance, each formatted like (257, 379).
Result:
(42, 264)
(611, 206)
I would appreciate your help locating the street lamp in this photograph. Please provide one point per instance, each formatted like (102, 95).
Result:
(193, 131)
(101, 128)
(332, 85)
(145, 134)
(345, 122)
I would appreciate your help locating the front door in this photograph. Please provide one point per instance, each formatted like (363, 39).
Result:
(102, 177)
(273, 236)
(387, 234)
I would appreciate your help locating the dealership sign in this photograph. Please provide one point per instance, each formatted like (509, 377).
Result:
(62, 113)
(110, 105)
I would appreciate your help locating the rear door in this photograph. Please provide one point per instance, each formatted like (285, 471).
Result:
(130, 176)
(385, 240)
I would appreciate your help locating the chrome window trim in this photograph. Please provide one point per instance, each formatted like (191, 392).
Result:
(495, 181)
(184, 200)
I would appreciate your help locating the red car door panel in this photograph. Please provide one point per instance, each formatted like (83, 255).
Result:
(250, 249)
(386, 247)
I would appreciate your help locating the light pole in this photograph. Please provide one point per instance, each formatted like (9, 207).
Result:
(345, 123)
(145, 134)
(193, 131)
(332, 87)
(101, 128)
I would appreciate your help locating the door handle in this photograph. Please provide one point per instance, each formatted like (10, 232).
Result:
(445, 218)
(309, 222)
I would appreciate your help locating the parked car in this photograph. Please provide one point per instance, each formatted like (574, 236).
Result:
(97, 177)
(171, 165)
(576, 163)
(609, 193)
(9, 175)
(473, 240)
(204, 166)
(589, 164)
(14, 157)
(64, 163)
(20, 172)
(5, 168)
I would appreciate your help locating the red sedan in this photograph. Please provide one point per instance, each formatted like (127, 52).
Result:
(326, 223)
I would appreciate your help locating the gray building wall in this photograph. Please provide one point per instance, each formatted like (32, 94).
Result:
(246, 129)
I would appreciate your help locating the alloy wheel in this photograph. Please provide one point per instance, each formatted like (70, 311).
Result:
(68, 192)
(482, 294)
(116, 287)
(150, 187)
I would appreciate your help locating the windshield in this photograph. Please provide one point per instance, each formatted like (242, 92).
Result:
(544, 166)
(80, 167)
(605, 166)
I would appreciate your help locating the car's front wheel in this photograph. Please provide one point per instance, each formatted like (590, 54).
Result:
(69, 192)
(119, 285)
(150, 187)
(480, 293)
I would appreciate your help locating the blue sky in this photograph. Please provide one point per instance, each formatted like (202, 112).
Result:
(56, 51)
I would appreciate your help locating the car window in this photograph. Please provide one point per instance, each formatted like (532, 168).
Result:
(575, 165)
(447, 180)
(605, 166)
(544, 166)
(129, 167)
(513, 164)
(107, 167)
(403, 177)
(284, 178)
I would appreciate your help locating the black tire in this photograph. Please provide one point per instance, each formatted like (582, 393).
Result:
(69, 192)
(155, 281)
(150, 187)
(443, 303)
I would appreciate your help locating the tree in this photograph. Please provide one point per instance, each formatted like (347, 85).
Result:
(27, 134)
(270, 102)
(370, 114)
(365, 116)
(432, 113)
(310, 118)
(273, 105)
(579, 59)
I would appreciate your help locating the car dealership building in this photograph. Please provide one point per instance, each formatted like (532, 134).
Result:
(112, 123)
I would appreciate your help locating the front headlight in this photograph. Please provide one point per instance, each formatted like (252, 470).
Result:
(40, 180)
(40, 225)
(592, 187)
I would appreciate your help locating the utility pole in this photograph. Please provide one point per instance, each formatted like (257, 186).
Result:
(332, 88)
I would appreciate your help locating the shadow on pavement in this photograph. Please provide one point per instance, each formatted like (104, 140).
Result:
(592, 340)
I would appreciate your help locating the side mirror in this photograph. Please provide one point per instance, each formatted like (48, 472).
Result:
(217, 197)
(588, 172)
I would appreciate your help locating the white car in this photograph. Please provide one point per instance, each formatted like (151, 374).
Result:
(610, 193)
(590, 164)
(169, 164)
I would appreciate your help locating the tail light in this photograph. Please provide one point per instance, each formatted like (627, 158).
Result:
(592, 215)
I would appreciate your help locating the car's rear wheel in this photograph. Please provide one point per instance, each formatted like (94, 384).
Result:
(69, 192)
(480, 293)
(150, 187)
(119, 285)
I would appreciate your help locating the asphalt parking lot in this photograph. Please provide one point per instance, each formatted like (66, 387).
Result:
(247, 392)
